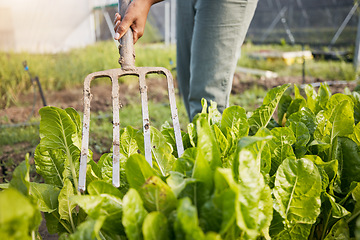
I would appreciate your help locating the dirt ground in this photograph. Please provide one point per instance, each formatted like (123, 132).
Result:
(101, 101)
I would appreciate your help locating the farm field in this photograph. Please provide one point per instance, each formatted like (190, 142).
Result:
(290, 110)
(62, 75)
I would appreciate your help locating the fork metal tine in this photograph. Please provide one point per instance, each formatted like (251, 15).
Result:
(114, 75)
(116, 131)
(145, 114)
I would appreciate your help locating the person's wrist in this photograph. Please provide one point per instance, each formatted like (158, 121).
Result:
(155, 1)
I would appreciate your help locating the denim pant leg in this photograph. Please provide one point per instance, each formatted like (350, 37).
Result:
(185, 13)
(218, 31)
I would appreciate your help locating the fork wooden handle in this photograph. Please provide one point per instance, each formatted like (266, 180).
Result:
(126, 47)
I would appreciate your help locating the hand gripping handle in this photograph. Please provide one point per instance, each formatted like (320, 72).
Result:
(126, 47)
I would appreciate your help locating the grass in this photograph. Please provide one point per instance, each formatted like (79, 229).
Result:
(14, 135)
(329, 70)
(66, 70)
(250, 99)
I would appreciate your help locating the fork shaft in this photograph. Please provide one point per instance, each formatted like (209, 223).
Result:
(126, 47)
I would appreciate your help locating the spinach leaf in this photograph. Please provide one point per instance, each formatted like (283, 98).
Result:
(66, 207)
(178, 182)
(226, 191)
(280, 146)
(339, 231)
(253, 202)
(234, 119)
(59, 132)
(186, 225)
(89, 229)
(337, 211)
(101, 187)
(306, 116)
(311, 97)
(104, 207)
(342, 120)
(46, 196)
(355, 136)
(155, 227)
(296, 231)
(19, 217)
(283, 106)
(347, 153)
(322, 97)
(185, 163)
(50, 165)
(138, 171)
(21, 179)
(131, 141)
(157, 196)
(161, 151)
(207, 144)
(302, 136)
(134, 214)
(263, 114)
(297, 191)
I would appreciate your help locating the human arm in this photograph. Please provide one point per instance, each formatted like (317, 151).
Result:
(135, 17)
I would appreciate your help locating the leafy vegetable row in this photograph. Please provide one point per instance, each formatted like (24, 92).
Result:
(240, 177)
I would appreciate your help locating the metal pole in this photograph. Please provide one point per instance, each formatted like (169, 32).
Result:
(286, 26)
(303, 65)
(343, 25)
(97, 25)
(109, 24)
(273, 24)
(41, 91)
(167, 23)
(172, 22)
(357, 47)
(36, 79)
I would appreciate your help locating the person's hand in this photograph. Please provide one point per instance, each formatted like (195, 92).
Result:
(135, 17)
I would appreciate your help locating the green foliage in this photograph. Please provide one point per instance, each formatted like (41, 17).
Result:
(240, 177)
(133, 215)
(298, 184)
(20, 217)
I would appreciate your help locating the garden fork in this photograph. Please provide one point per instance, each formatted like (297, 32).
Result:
(127, 62)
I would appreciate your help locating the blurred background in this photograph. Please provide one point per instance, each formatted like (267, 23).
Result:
(47, 48)
(53, 26)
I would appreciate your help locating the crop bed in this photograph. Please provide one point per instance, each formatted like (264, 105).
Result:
(288, 170)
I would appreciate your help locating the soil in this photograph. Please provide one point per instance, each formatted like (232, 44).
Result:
(101, 102)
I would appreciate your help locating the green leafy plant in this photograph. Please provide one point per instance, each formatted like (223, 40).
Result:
(240, 177)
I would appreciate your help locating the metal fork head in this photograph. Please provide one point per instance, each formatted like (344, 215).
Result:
(114, 75)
